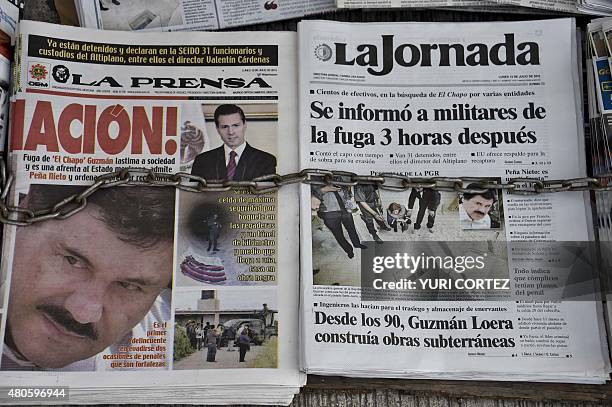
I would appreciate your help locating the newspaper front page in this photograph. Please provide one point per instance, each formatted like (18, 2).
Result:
(498, 101)
(190, 15)
(195, 289)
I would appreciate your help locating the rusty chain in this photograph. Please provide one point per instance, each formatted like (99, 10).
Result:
(14, 215)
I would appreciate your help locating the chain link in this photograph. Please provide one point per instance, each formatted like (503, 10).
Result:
(13, 215)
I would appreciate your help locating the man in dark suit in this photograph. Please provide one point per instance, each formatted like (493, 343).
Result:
(235, 159)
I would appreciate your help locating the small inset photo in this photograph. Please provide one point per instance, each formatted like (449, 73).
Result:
(225, 329)
(482, 208)
(226, 238)
(194, 136)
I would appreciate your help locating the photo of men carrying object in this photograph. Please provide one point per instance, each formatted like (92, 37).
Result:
(347, 220)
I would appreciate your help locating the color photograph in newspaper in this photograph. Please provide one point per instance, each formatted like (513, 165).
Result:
(229, 238)
(94, 311)
(226, 329)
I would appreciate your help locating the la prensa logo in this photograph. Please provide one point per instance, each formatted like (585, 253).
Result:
(39, 74)
(60, 73)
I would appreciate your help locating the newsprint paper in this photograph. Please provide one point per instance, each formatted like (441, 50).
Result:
(171, 295)
(566, 6)
(433, 284)
(412, 3)
(191, 15)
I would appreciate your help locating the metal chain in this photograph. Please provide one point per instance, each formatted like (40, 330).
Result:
(14, 215)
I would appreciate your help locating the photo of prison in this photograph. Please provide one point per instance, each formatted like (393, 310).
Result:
(221, 329)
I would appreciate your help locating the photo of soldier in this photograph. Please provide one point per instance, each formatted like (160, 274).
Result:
(207, 327)
(191, 333)
(407, 212)
(244, 345)
(199, 336)
(211, 345)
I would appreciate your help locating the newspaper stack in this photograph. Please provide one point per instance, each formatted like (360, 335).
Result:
(132, 15)
(600, 7)
(175, 15)
(151, 294)
(405, 280)
(597, 7)
(600, 117)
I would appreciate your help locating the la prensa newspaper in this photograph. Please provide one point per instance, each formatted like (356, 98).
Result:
(192, 288)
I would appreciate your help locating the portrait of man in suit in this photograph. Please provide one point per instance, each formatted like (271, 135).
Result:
(236, 159)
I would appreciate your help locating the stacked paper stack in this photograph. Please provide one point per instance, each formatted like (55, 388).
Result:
(148, 294)
(600, 115)
(496, 101)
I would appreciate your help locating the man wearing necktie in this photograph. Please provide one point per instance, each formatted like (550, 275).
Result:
(235, 160)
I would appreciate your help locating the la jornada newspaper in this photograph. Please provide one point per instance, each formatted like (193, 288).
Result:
(473, 282)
